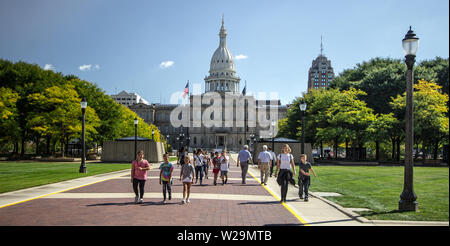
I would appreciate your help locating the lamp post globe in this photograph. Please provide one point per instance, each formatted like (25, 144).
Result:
(408, 199)
(302, 111)
(83, 105)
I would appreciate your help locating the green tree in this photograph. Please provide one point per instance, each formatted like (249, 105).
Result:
(9, 129)
(431, 126)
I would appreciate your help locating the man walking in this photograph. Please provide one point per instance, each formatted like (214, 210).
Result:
(264, 159)
(243, 159)
(274, 161)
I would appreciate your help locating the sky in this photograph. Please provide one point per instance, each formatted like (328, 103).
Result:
(154, 47)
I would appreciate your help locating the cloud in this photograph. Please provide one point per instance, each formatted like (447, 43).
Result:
(240, 57)
(49, 67)
(89, 67)
(166, 64)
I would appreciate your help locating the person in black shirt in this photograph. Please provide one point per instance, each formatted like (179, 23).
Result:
(304, 179)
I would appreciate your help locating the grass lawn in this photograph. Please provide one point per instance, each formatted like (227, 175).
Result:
(379, 189)
(20, 175)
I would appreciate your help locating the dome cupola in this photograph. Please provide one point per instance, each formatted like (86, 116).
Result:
(222, 72)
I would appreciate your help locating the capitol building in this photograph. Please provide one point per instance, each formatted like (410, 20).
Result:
(221, 117)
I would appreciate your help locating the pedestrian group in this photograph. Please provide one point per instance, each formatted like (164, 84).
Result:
(202, 161)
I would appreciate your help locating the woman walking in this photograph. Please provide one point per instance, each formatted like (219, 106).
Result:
(198, 163)
(187, 177)
(285, 163)
(139, 170)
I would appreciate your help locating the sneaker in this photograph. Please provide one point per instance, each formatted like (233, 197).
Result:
(183, 201)
(141, 201)
(136, 199)
(301, 197)
(164, 201)
(306, 199)
(187, 200)
(265, 183)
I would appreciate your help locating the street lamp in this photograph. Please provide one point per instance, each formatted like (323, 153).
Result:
(135, 137)
(153, 135)
(83, 105)
(273, 123)
(302, 110)
(408, 197)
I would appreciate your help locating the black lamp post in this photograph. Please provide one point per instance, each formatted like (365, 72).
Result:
(273, 123)
(83, 150)
(302, 110)
(136, 121)
(408, 197)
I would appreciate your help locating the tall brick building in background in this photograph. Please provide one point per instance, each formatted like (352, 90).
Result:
(321, 72)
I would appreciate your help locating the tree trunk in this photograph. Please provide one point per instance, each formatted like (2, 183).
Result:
(22, 151)
(62, 147)
(48, 145)
(335, 149)
(435, 150)
(398, 149)
(38, 139)
(16, 147)
(393, 149)
(321, 150)
(346, 148)
(377, 150)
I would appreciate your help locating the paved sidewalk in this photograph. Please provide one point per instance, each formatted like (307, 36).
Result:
(107, 199)
(322, 212)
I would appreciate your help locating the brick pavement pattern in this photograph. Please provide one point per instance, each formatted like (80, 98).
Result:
(210, 205)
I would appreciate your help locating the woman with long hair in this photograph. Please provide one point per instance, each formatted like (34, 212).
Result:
(286, 165)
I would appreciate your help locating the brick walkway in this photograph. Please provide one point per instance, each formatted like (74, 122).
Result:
(111, 202)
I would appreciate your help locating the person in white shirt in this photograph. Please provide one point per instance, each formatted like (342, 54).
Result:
(198, 163)
(224, 167)
(264, 159)
(286, 165)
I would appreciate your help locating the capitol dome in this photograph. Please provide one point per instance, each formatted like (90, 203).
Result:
(222, 60)
(222, 71)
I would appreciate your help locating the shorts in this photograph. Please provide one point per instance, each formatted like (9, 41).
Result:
(187, 180)
(223, 173)
(216, 171)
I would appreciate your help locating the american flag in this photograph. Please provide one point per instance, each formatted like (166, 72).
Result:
(186, 90)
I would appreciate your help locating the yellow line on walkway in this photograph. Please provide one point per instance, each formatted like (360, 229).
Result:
(277, 198)
(34, 198)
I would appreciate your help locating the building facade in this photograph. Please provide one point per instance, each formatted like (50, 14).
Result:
(232, 120)
(321, 72)
(128, 99)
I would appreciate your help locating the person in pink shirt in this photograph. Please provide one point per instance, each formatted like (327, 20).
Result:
(139, 170)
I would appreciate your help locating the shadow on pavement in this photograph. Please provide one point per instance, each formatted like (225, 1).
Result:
(289, 224)
(111, 204)
(260, 202)
(329, 221)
